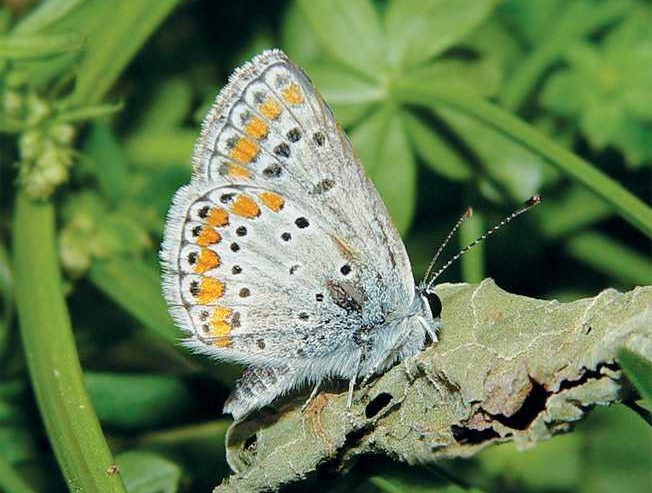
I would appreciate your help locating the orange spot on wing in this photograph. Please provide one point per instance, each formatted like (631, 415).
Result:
(208, 236)
(207, 260)
(220, 327)
(237, 171)
(292, 94)
(256, 128)
(218, 217)
(270, 109)
(272, 201)
(244, 150)
(245, 206)
(209, 290)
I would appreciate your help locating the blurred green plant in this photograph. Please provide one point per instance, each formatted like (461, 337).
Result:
(607, 89)
(411, 80)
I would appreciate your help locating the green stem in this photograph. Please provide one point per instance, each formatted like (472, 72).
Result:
(631, 208)
(10, 480)
(570, 28)
(72, 426)
(472, 263)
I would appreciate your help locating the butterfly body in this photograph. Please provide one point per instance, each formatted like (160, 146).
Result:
(279, 254)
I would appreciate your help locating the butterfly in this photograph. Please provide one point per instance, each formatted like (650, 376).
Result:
(280, 255)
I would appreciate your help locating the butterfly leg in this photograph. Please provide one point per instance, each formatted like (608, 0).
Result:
(312, 395)
(259, 386)
(382, 361)
(349, 399)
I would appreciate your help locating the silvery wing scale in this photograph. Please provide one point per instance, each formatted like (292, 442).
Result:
(279, 254)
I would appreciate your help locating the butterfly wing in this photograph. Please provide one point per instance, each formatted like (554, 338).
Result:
(280, 248)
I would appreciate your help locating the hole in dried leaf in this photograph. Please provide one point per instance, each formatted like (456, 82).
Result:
(251, 444)
(377, 404)
(467, 435)
(534, 403)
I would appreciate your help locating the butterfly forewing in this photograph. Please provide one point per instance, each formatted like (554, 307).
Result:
(275, 246)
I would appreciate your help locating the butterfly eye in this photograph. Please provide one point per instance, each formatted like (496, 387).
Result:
(435, 304)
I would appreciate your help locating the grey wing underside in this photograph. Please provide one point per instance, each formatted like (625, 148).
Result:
(291, 313)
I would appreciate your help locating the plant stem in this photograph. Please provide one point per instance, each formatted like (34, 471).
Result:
(623, 202)
(472, 264)
(570, 28)
(56, 375)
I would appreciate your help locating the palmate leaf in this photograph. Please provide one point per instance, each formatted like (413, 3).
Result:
(349, 31)
(506, 368)
(350, 95)
(605, 90)
(382, 145)
(419, 30)
(353, 53)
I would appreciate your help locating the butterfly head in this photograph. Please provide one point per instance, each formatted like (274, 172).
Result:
(433, 301)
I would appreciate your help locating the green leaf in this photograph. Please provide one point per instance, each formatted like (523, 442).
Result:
(39, 45)
(521, 470)
(299, 43)
(398, 478)
(482, 77)
(349, 31)
(625, 203)
(639, 371)
(605, 88)
(10, 480)
(347, 93)
(572, 211)
(611, 257)
(136, 288)
(612, 455)
(108, 161)
(419, 30)
(45, 14)
(563, 24)
(168, 149)
(383, 147)
(435, 151)
(7, 296)
(169, 107)
(122, 30)
(17, 442)
(145, 472)
(85, 113)
(136, 402)
(514, 167)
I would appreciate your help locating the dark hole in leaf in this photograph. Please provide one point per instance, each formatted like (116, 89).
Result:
(251, 444)
(466, 435)
(534, 403)
(377, 404)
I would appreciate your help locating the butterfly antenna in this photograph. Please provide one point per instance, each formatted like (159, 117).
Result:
(467, 214)
(531, 202)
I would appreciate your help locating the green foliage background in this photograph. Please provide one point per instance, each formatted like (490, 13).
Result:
(449, 103)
